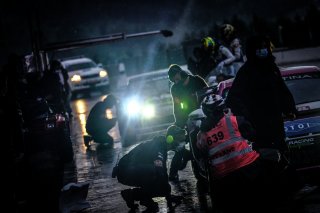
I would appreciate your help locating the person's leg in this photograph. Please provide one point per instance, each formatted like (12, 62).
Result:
(176, 164)
(186, 157)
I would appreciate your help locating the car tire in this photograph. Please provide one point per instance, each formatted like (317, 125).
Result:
(127, 132)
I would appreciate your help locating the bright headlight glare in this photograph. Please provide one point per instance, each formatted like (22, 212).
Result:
(148, 111)
(133, 107)
(76, 78)
(103, 73)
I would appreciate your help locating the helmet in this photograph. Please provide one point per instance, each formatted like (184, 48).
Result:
(173, 70)
(175, 134)
(226, 30)
(212, 104)
(208, 43)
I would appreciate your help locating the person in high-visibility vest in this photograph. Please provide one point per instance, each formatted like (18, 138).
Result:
(233, 164)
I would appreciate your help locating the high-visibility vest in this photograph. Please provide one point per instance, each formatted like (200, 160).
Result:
(227, 149)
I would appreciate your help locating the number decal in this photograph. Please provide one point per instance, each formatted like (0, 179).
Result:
(215, 138)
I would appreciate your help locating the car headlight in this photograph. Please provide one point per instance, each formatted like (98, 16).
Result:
(103, 73)
(148, 111)
(133, 107)
(76, 78)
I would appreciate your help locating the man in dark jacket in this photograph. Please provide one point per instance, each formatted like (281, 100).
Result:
(260, 95)
(144, 167)
(183, 93)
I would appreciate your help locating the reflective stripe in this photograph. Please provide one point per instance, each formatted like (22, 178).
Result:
(229, 126)
(226, 143)
(230, 155)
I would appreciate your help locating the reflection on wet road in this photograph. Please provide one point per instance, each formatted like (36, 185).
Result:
(95, 165)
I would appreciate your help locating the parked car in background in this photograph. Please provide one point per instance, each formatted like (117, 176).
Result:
(85, 74)
(303, 133)
(146, 107)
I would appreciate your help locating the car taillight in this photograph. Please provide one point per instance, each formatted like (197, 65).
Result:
(60, 120)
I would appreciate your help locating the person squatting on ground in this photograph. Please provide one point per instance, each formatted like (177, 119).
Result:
(183, 92)
(177, 137)
(144, 168)
(100, 121)
(260, 95)
(230, 40)
(233, 165)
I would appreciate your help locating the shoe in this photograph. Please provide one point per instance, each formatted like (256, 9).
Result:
(128, 197)
(150, 204)
(174, 178)
(173, 199)
(115, 172)
(306, 190)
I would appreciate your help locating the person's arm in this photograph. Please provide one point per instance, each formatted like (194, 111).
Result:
(246, 129)
(287, 100)
(230, 58)
(237, 95)
(177, 111)
(236, 47)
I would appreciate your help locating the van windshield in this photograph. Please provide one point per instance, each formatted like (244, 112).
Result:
(81, 66)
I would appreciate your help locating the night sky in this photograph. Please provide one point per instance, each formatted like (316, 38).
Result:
(76, 19)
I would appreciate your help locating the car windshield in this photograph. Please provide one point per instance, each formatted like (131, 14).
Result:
(150, 87)
(305, 90)
(81, 66)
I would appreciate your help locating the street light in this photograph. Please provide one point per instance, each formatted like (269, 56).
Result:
(68, 45)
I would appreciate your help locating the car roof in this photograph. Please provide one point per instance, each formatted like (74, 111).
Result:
(68, 62)
(285, 71)
(298, 70)
(152, 74)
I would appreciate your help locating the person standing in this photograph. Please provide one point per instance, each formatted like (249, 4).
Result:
(233, 165)
(260, 95)
(183, 92)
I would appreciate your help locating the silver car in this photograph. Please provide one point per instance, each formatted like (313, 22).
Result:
(84, 74)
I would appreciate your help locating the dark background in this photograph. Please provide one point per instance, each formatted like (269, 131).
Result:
(290, 23)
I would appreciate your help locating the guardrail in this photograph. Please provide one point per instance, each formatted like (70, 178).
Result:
(297, 56)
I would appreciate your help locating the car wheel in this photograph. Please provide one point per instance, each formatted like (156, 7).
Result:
(127, 132)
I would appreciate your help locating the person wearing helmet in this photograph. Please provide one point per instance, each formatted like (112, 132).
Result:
(223, 57)
(183, 92)
(233, 165)
(144, 167)
(177, 137)
(99, 123)
(231, 41)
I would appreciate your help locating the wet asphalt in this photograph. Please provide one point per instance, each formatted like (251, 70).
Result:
(94, 165)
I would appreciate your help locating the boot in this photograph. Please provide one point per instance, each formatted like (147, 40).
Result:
(87, 139)
(127, 195)
(150, 204)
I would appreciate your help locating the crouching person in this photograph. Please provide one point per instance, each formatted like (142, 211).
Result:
(144, 168)
(100, 121)
(233, 165)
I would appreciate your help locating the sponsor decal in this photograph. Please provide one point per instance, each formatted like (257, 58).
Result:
(302, 126)
(301, 142)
